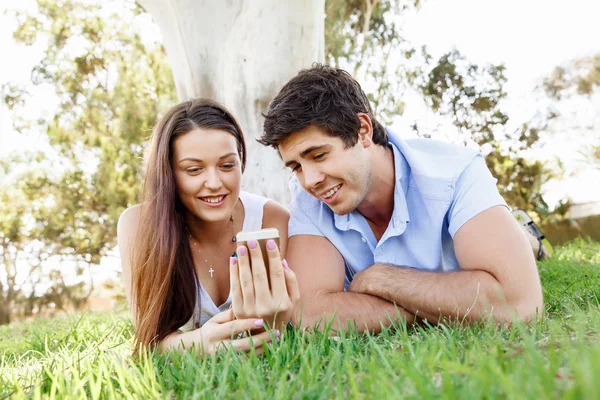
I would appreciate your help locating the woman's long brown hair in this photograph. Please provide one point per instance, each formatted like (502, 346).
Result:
(163, 275)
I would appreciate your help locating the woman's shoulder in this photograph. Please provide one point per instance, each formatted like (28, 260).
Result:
(131, 214)
(273, 209)
(270, 208)
(128, 221)
(275, 216)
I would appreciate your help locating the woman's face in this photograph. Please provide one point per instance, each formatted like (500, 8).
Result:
(208, 172)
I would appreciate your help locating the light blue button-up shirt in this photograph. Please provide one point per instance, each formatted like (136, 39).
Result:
(439, 187)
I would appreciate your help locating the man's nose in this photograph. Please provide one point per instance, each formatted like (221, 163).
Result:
(312, 177)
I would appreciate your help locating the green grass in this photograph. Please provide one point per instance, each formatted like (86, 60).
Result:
(87, 356)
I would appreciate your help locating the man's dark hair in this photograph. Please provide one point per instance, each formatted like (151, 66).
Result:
(323, 96)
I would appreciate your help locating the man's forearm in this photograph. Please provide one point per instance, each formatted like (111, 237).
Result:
(462, 295)
(367, 312)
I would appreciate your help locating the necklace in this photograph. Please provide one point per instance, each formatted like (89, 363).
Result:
(196, 244)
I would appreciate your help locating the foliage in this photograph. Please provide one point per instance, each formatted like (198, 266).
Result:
(365, 38)
(557, 356)
(579, 80)
(579, 77)
(111, 81)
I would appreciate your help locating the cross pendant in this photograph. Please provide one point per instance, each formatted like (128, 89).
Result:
(211, 271)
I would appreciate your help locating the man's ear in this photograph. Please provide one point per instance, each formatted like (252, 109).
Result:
(365, 131)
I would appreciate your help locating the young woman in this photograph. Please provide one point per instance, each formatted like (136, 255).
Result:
(183, 285)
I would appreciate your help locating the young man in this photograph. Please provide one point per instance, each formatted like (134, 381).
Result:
(382, 226)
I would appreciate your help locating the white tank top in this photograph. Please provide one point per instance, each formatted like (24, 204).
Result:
(205, 307)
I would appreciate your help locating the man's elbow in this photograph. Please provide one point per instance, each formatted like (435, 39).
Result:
(531, 308)
(522, 311)
(315, 317)
(307, 319)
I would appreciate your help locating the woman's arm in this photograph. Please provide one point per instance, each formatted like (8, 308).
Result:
(127, 228)
(221, 331)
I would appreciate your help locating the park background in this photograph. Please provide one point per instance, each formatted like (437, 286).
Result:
(82, 83)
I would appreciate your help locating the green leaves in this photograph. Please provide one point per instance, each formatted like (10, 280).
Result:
(111, 81)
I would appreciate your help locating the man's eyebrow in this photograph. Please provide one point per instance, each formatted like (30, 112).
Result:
(307, 151)
(199, 160)
(311, 149)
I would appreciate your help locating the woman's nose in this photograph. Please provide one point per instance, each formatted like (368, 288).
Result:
(213, 180)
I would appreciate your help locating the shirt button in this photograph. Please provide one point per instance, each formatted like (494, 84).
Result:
(364, 240)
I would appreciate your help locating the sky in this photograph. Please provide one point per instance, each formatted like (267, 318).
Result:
(530, 37)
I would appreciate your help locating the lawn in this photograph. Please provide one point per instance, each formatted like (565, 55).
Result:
(87, 356)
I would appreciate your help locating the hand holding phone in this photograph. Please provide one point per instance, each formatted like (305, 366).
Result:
(262, 285)
(261, 237)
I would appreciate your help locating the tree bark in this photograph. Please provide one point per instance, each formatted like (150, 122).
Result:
(241, 53)
(4, 307)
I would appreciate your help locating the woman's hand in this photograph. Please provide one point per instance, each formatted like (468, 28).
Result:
(222, 331)
(250, 292)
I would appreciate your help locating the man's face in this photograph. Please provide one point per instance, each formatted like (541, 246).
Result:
(337, 176)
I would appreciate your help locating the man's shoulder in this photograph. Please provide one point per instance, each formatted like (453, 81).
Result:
(438, 148)
(434, 158)
(301, 199)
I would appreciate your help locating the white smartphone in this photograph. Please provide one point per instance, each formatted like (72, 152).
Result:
(261, 237)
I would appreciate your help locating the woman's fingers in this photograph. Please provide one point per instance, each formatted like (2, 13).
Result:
(245, 275)
(237, 299)
(259, 274)
(256, 341)
(292, 283)
(222, 317)
(276, 271)
(235, 327)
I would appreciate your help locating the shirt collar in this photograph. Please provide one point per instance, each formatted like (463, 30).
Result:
(400, 215)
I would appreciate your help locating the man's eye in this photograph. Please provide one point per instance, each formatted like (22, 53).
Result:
(319, 156)
(296, 168)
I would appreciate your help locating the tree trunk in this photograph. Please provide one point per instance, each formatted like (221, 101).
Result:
(241, 53)
(4, 313)
(4, 307)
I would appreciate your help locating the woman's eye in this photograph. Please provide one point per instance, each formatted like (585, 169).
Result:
(228, 166)
(193, 170)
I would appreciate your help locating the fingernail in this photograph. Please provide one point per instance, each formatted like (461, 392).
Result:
(241, 251)
(271, 244)
(252, 244)
(277, 332)
(285, 264)
(258, 323)
(232, 260)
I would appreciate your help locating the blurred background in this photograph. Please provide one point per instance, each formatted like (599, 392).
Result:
(82, 82)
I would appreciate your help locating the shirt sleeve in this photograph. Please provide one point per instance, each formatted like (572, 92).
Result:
(475, 191)
(300, 223)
